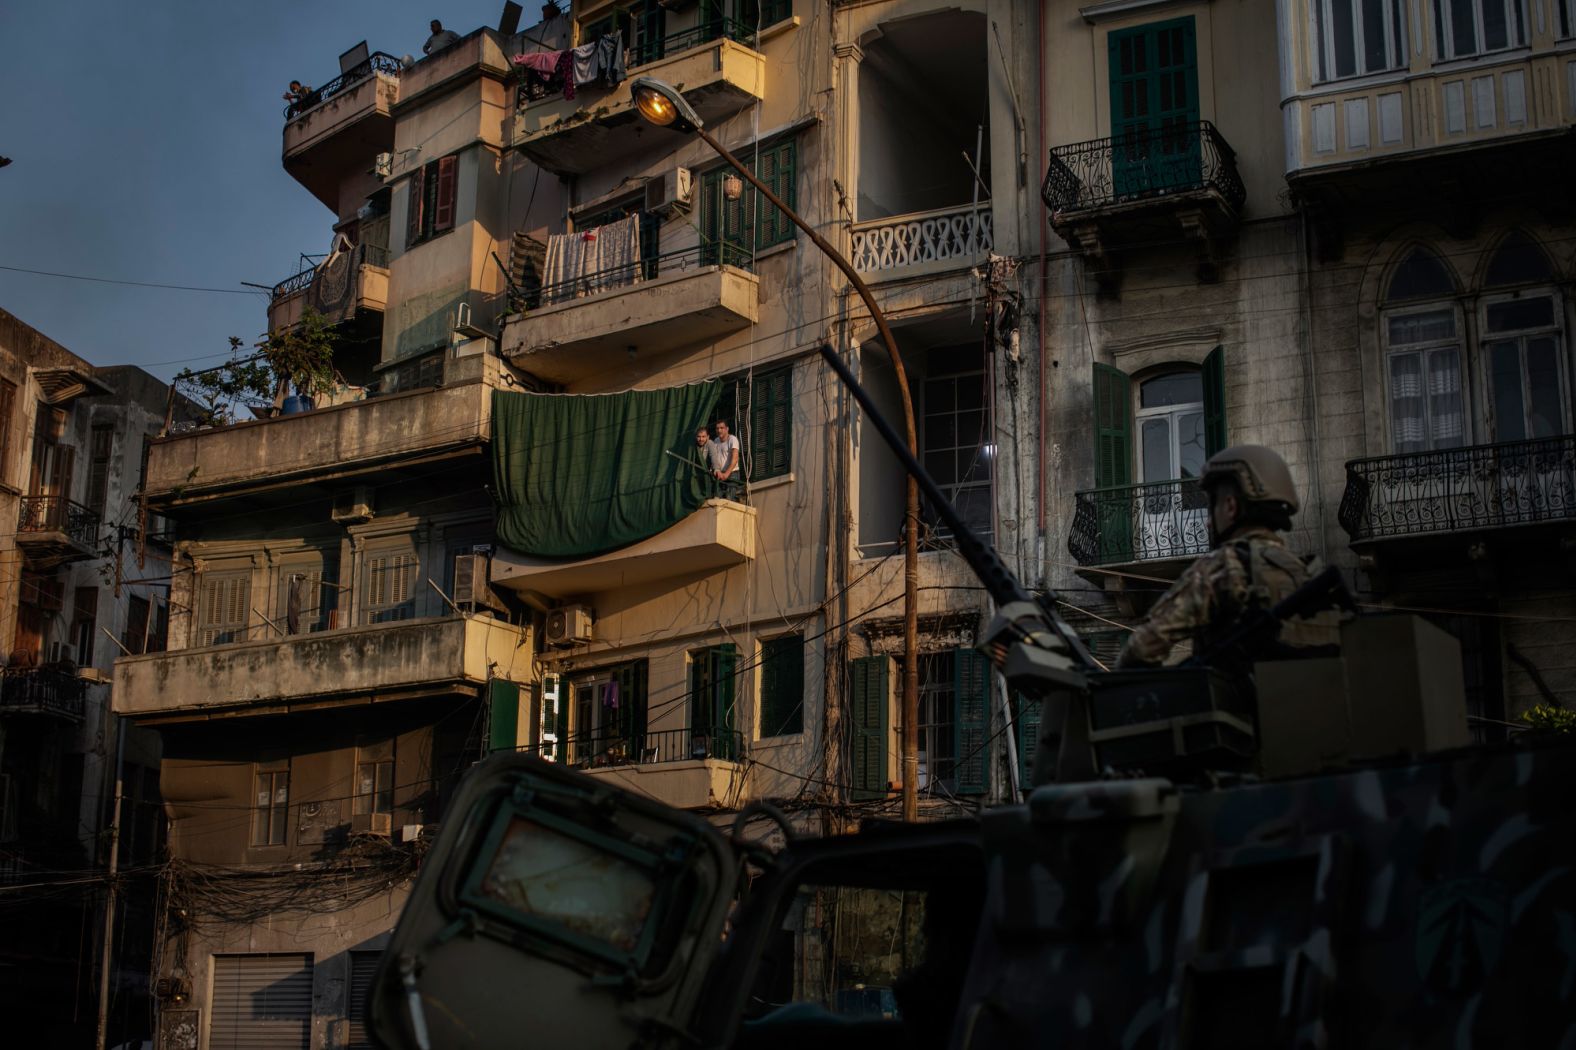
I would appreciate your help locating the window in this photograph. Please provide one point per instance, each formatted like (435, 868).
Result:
(1154, 108)
(84, 624)
(1567, 19)
(1521, 350)
(608, 715)
(1171, 427)
(870, 695)
(1423, 351)
(955, 436)
(759, 410)
(137, 621)
(1357, 37)
(308, 595)
(782, 686)
(758, 14)
(643, 27)
(713, 724)
(7, 408)
(391, 585)
(375, 778)
(224, 607)
(1472, 27)
(733, 231)
(100, 449)
(431, 204)
(954, 722)
(159, 636)
(415, 374)
(271, 807)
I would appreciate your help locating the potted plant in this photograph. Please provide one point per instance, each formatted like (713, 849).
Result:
(285, 371)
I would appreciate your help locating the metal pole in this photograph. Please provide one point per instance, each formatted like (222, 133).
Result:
(107, 955)
(911, 531)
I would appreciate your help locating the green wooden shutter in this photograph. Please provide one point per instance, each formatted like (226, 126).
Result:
(1215, 401)
(782, 686)
(971, 682)
(771, 424)
(1028, 737)
(1113, 427)
(726, 664)
(1153, 72)
(503, 715)
(870, 679)
(776, 168)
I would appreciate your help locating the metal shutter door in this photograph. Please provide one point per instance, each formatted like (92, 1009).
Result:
(363, 965)
(261, 1002)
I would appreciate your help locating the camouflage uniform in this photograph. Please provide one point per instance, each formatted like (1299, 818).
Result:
(1252, 570)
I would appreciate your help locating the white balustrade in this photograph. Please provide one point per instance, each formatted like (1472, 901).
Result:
(922, 237)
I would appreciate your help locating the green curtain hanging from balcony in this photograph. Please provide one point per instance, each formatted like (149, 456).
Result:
(578, 475)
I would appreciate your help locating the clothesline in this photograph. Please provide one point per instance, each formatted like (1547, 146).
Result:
(601, 61)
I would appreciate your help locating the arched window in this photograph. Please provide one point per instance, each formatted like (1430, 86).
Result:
(1170, 419)
(1521, 343)
(1423, 356)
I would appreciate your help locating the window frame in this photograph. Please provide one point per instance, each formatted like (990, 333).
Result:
(1321, 37)
(431, 200)
(377, 608)
(1444, 29)
(316, 567)
(206, 625)
(101, 454)
(1555, 330)
(956, 483)
(274, 817)
(739, 405)
(1170, 412)
(84, 624)
(775, 663)
(1458, 343)
(576, 741)
(717, 215)
(7, 422)
(1565, 15)
(378, 757)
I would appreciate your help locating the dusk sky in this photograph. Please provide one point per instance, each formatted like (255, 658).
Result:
(145, 143)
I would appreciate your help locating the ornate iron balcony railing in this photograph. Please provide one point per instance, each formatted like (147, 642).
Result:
(378, 62)
(1460, 489)
(923, 237)
(369, 254)
(1142, 166)
(1165, 519)
(58, 514)
(42, 690)
(650, 748)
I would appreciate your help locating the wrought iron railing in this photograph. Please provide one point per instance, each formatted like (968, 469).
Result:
(42, 690)
(370, 254)
(1142, 165)
(650, 748)
(534, 87)
(378, 62)
(58, 514)
(644, 269)
(1460, 489)
(1166, 519)
(923, 237)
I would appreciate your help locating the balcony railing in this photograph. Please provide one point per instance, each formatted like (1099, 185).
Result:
(1166, 519)
(1462, 489)
(366, 254)
(534, 86)
(38, 690)
(596, 750)
(923, 237)
(1142, 166)
(630, 273)
(58, 514)
(378, 62)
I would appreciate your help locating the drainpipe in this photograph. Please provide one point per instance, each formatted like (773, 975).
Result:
(106, 956)
(1045, 289)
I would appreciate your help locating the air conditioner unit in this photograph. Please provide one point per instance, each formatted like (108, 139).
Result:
(671, 192)
(353, 506)
(383, 166)
(92, 675)
(371, 824)
(470, 582)
(569, 625)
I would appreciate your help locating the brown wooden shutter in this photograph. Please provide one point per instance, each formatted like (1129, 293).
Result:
(443, 215)
(413, 211)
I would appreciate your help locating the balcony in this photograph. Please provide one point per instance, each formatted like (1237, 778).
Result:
(1107, 194)
(1166, 521)
(368, 664)
(599, 127)
(380, 436)
(52, 530)
(338, 291)
(718, 536)
(923, 242)
(680, 767)
(42, 691)
(1462, 494)
(341, 127)
(588, 325)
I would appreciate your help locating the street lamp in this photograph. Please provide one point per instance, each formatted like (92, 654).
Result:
(662, 105)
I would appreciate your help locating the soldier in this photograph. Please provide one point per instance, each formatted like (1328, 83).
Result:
(1251, 501)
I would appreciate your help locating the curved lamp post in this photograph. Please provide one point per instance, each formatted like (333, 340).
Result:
(662, 105)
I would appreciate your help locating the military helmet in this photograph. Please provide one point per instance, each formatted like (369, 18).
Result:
(1259, 472)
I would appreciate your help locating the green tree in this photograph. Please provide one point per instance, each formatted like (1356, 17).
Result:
(300, 357)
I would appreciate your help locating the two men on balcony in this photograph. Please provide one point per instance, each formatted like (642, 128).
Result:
(1251, 501)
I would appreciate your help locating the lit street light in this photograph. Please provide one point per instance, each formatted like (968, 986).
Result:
(662, 105)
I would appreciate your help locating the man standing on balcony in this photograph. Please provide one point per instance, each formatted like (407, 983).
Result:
(1251, 501)
(441, 38)
(725, 461)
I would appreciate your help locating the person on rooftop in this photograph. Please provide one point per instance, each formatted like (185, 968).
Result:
(299, 95)
(440, 39)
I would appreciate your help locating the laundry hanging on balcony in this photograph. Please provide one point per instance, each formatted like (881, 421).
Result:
(577, 475)
(599, 61)
(589, 261)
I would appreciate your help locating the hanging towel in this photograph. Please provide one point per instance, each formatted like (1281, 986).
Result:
(566, 70)
(589, 261)
(588, 64)
(544, 63)
(610, 52)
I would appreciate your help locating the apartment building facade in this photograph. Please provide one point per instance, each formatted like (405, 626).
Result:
(84, 579)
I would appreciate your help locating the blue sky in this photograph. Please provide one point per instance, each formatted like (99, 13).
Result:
(145, 147)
